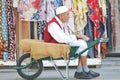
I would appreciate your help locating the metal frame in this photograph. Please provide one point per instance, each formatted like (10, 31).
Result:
(59, 72)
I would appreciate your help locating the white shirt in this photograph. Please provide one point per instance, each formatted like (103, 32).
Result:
(59, 35)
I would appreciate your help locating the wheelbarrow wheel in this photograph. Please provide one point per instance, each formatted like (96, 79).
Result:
(31, 72)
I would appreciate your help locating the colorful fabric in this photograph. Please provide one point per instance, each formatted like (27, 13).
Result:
(11, 29)
(50, 9)
(32, 10)
(58, 3)
(96, 17)
(1, 55)
(4, 27)
(80, 9)
(15, 3)
(51, 6)
(40, 29)
(89, 32)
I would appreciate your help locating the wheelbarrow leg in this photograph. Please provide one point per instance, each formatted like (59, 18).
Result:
(60, 73)
(67, 69)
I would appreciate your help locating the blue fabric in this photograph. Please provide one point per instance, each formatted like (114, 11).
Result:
(4, 27)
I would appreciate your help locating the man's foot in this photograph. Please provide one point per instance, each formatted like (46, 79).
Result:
(94, 74)
(82, 75)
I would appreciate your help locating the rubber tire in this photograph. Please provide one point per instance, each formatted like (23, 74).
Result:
(29, 77)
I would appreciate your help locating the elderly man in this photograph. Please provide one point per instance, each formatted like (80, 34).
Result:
(54, 33)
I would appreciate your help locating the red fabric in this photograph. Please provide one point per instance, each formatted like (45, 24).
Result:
(36, 4)
(47, 36)
(93, 4)
(96, 17)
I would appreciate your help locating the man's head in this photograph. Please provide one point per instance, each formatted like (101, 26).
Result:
(62, 13)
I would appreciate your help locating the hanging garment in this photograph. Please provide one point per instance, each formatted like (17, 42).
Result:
(50, 9)
(51, 6)
(109, 25)
(89, 32)
(11, 30)
(80, 18)
(58, 3)
(4, 27)
(103, 6)
(96, 18)
(40, 28)
(93, 4)
(32, 10)
(15, 3)
(1, 55)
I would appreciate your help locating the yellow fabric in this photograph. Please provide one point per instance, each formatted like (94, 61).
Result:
(40, 49)
(80, 9)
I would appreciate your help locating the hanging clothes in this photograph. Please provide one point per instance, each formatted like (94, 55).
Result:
(40, 28)
(103, 6)
(4, 27)
(15, 3)
(89, 32)
(11, 30)
(58, 3)
(1, 55)
(80, 18)
(32, 10)
(51, 6)
(96, 17)
(50, 9)
(109, 24)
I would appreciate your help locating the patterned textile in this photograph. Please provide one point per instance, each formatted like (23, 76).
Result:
(96, 18)
(40, 25)
(109, 24)
(1, 55)
(11, 28)
(32, 10)
(80, 10)
(4, 27)
(58, 3)
(51, 6)
(15, 3)
(50, 9)
(89, 32)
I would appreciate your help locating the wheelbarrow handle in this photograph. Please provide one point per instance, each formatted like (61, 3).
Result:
(91, 44)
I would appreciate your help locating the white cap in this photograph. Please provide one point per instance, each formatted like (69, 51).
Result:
(61, 9)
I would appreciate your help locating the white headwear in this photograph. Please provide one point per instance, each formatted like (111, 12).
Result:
(61, 9)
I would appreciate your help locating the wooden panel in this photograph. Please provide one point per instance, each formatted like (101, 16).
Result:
(24, 30)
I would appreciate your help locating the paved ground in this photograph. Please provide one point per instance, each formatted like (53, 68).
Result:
(109, 70)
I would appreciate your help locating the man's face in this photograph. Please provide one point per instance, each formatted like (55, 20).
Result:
(65, 17)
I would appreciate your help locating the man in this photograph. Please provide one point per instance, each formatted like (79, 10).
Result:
(55, 33)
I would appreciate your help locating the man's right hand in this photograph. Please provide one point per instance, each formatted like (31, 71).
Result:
(84, 37)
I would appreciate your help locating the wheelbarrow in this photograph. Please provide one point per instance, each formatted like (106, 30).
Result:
(29, 68)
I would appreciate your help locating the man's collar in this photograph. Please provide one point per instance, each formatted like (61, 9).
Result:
(59, 21)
